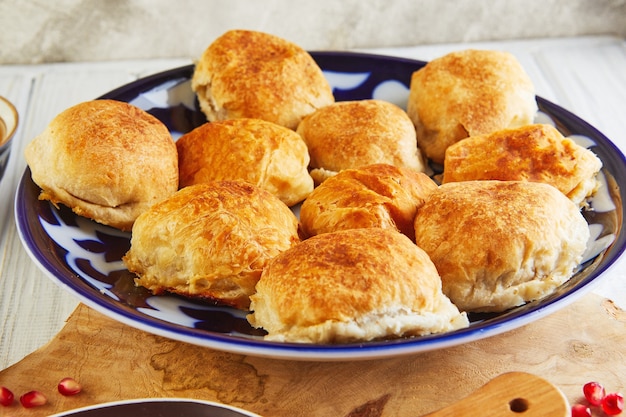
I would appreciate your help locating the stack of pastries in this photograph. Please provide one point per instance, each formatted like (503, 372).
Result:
(380, 249)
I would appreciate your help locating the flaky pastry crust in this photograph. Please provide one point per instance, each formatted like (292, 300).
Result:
(262, 153)
(352, 134)
(378, 195)
(467, 93)
(107, 160)
(499, 244)
(210, 241)
(535, 152)
(257, 75)
(352, 285)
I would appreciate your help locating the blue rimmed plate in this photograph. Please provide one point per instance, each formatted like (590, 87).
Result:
(154, 407)
(85, 257)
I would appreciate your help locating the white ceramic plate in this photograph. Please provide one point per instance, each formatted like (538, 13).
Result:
(85, 257)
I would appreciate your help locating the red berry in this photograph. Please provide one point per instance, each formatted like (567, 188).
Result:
(33, 399)
(594, 392)
(69, 386)
(613, 403)
(6, 396)
(581, 410)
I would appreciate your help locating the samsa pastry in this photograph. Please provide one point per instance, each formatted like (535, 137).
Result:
(352, 134)
(535, 152)
(352, 286)
(106, 160)
(468, 93)
(248, 74)
(378, 195)
(262, 153)
(210, 241)
(500, 244)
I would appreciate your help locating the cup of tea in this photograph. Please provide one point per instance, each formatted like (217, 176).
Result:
(8, 126)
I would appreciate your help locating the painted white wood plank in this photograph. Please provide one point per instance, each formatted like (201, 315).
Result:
(16, 87)
(591, 83)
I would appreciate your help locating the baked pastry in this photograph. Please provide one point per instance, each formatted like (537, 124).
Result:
(263, 153)
(210, 241)
(499, 244)
(378, 195)
(468, 93)
(257, 75)
(530, 153)
(351, 134)
(351, 286)
(106, 160)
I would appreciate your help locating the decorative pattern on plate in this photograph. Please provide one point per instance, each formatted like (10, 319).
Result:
(85, 257)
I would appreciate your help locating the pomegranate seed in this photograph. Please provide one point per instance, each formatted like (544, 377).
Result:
(6, 396)
(594, 392)
(69, 386)
(33, 399)
(581, 410)
(613, 403)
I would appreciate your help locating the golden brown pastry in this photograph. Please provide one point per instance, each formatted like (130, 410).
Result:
(210, 241)
(378, 195)
(468, 93)
(257, 75)
(499, 244)
(351, 134)
(349, 286)
(263, 153)
(530, 153)
(106, 160)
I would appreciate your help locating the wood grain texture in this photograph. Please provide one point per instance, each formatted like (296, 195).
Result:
(586, 340)
(511, 394)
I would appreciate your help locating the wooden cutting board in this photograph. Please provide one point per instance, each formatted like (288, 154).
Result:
(584, 341)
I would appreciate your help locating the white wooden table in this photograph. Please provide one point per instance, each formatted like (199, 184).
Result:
(584, 75)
